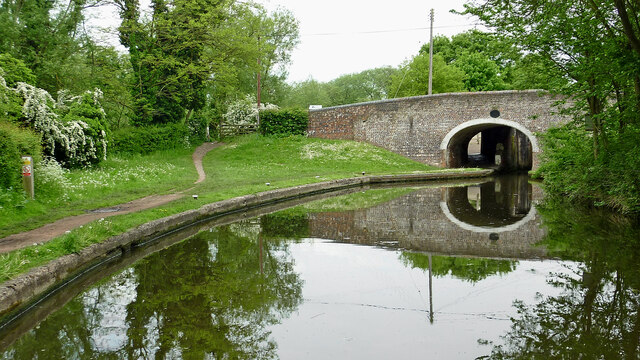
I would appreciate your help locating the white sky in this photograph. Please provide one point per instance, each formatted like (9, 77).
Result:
(340, 37)
(350, 48)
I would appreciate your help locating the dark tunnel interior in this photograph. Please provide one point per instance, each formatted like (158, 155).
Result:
(500, 147)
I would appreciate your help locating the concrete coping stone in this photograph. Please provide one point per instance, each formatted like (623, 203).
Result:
(39, 281)
(435, 96)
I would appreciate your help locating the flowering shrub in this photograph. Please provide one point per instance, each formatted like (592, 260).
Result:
(244, 111)
(53, 179)
(73, 128)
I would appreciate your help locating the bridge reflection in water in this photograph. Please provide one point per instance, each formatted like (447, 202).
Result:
(494, 219)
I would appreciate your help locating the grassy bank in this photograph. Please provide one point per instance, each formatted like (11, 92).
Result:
(117, 180)
(245, 165)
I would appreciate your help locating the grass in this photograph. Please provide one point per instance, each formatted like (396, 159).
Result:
(114, 181)
(243, 166)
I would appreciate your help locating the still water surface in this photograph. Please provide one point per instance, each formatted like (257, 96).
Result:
(455, 272)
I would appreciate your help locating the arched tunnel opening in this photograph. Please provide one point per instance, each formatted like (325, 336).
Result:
(494, 204)
(500, 147)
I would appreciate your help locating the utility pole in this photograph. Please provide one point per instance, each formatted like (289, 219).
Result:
(431, 53)
(430, 291)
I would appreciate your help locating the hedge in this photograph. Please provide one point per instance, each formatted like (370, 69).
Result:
(283, 122)
(15, 142)
(145, 140)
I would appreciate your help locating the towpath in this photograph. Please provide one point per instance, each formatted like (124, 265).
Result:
(57, 228)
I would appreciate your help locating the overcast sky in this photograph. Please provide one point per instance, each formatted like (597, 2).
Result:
(340, 37)
(346, 36)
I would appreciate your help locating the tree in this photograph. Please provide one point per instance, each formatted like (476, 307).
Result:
(168, 55)
(249, 41)
(481, 74)
(595, 314)
(413, 77)
(486, 60)
(46, 35)
(595, 47)
(368, 85)
(215, 295)
(308, 92)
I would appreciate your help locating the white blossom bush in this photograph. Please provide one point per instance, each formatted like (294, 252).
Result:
(52, 178)
(245, 111)
(73, 128)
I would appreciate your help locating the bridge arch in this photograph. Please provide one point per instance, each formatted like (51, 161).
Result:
(506, 144)
(485, 229)
(500, 205)
(416, 126)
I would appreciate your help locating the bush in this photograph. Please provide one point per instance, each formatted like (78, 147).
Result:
(85, 119)
(284, 122)
(245, 111)
(15, 70)
(15, 142)
(570, 169)
(145, 140)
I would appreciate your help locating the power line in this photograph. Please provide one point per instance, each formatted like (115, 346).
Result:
(388, 31)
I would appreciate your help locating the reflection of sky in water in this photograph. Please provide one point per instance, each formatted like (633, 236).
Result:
(363, 303)
(110, 302)
(357, 302)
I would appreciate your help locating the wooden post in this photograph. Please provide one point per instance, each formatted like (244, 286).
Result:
(27, 176)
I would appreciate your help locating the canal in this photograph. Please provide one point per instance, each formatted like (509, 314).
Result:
(488, 269)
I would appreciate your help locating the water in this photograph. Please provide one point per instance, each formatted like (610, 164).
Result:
(464, 271)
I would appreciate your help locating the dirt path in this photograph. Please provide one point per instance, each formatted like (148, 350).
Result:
(197, 157)
(52, 230)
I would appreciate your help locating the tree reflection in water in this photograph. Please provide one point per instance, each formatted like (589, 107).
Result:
(207, 297)
(469, 269)
(597, 315)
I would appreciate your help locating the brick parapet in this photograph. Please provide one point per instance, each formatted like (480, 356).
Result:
(415, 126)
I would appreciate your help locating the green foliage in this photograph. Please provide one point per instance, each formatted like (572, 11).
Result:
(12, 71)
(594, 48)
(15, 142)
(368, 85)
(486, 60)
(145, 140)
(535, 72)
(569, 168)
(594, 314)
(413, 77)
(194, 48)
(469, 269)
(46, 35)
(497, 50)
(15, 70)
(481, 74)
(284, 122)
(308, 92)
(287, 224)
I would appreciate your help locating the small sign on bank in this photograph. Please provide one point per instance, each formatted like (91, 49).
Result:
(27, 176)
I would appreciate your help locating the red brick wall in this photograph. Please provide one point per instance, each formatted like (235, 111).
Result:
(415, 127)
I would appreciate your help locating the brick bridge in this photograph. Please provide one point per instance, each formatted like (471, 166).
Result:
(437, 129)
(503, 223)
